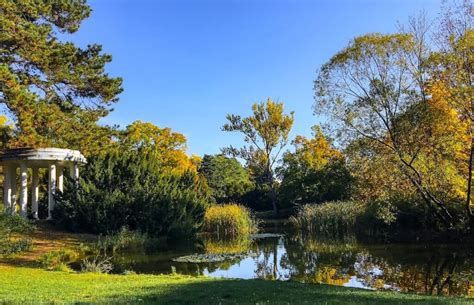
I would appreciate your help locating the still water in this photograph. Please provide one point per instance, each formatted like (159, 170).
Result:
(427, 269)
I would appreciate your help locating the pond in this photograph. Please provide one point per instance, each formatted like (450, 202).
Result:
(427, 269)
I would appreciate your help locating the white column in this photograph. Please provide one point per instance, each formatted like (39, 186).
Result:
(23, 189)
(51, 189)
(13, 188)
(74, 172)
(7, 187)
(35, 193)
(60, 179)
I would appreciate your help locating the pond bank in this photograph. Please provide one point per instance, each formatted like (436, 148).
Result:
(29, 285)
(21, 280)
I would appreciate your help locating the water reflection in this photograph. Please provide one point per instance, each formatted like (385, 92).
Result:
(437, 269)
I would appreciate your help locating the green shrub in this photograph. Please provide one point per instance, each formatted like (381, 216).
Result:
(403, 218)
(302, 184)
(15, 246)
(14, 234)
(58, 260)
(378, 219)
(122, 240)
(127, 189)
(229, 220)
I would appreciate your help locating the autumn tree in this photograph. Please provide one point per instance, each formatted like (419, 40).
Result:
(54, 91)
(453, 66)
(377, 89)
(168, 148)
(266, 134)
(314, 172)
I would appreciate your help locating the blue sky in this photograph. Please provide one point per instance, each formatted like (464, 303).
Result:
(186, 64)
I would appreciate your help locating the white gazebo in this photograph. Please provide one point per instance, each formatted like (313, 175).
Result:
(56, 160)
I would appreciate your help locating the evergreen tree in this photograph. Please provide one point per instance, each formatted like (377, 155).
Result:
(55, 92)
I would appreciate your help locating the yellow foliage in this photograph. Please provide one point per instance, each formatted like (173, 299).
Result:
(3, 121)
(451, 138)
(270, 122)
(168, 146)
(317, 151)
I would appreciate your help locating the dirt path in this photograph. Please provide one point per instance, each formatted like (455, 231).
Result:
(47, 238)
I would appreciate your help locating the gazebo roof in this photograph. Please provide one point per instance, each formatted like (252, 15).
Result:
(40, 155)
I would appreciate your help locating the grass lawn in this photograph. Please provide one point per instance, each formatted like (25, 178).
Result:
(31, 285)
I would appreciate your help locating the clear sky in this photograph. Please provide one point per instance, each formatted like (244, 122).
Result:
(186, 64)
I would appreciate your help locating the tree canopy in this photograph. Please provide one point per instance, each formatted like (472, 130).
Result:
(266, 134)
(54, 91)
(383, 91)
(226, 177)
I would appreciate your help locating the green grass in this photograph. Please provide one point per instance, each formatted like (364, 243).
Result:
(29, 285)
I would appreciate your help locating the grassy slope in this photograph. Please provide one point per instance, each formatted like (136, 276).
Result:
(46, 237)
(30, 285)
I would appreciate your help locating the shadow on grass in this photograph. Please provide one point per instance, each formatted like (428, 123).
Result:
(271, 292)
(46, 237)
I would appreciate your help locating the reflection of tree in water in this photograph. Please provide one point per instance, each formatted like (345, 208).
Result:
(437, 274)
(440, 271)
(318, 262)
(267, 261)
(415, 268)
(404, 268)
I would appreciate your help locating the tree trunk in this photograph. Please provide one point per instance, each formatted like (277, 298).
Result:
(469, 211)
(273, 198)
(273, 194)
(443, 214)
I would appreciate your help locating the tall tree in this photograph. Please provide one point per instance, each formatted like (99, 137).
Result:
(54, 91)
(453, 65)
(377, 89)
(266, 133)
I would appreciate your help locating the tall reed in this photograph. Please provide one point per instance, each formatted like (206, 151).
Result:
(229, 220)
(330, 218)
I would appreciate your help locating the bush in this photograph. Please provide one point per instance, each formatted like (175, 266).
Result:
(405, 218)
(127, 188)
(97, 264)
(258, 199)
(229, 220)
(302, 184)
(58, 260)
(14, 234)
(122, 240)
